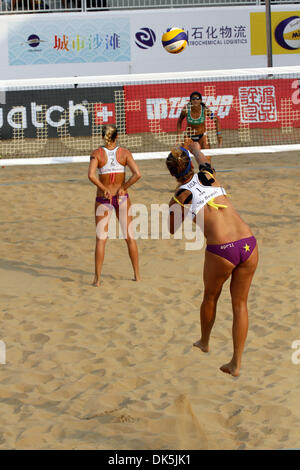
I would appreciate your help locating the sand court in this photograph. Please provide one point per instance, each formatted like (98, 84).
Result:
(114, 367)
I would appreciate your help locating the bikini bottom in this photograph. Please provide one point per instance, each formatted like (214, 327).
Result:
(236, 252)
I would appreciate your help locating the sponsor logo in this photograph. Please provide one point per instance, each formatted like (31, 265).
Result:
(145, 38)
(77, 43)
(33, 40)
(56, 115)
(241, 106)
(104, 113)
(287, 33)
(217, 35)
(162, 108)
(73, 111)
(75, 115)
(258, 104)
(229, 245)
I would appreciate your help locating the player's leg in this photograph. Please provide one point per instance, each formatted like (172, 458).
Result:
(239, 288)
(102, 216)
(124, 215)
(216, 271)
(203, 142)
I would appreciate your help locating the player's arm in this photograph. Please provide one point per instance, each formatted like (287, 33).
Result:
(94, 160)
(207, 174)
(178, 209)
(180, 120)
(135, 173)
(200, 158)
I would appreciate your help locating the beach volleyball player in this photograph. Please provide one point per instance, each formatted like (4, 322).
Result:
(195, 113)
(231, 249)
(110, 162)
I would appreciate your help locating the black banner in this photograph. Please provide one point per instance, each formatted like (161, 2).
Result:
(58, 112)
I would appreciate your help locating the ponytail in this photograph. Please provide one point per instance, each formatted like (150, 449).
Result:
(109, 134)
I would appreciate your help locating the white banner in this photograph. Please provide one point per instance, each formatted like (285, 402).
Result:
(127, 42)
(218, 38)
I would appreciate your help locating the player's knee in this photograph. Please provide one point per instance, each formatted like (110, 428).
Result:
(239, 307)
(211, 295)
(130, 240)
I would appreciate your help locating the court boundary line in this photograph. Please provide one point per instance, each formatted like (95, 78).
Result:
(226, 170)
(150, 155)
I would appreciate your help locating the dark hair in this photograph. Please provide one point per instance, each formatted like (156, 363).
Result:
(109, 133)
(179, 163)
(195, 93)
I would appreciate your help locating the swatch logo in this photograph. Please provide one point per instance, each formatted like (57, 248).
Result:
(145, 38)
(287, 33)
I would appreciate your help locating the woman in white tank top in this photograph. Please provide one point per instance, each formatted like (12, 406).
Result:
(231, 249)
(107, 172)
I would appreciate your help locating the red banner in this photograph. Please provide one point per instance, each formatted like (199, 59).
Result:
(239, 104)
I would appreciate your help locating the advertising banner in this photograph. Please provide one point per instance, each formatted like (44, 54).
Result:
(68, 120)
(152, 108)
(52, 113)
(286, 32)
(129, 42)
(215, 37)
(258, 104)
(68, 40)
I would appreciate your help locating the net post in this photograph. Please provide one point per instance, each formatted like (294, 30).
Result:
(269, 33)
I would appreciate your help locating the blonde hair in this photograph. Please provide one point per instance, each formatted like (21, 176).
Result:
(109, 134)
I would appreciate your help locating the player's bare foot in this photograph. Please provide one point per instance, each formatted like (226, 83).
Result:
(199, 344)
(137, 277)
(230, 368)
(96, 282)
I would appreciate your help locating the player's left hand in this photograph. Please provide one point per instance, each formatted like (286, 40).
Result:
(121, 192)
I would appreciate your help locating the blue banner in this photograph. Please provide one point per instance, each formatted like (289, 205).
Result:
(65, 41)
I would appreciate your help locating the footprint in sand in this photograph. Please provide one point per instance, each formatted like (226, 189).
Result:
(125, 419)
(167, 291)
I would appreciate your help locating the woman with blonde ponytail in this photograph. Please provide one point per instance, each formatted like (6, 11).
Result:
(107, 172)
(109, 134)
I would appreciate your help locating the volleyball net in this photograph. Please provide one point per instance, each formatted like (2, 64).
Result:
(52, 118)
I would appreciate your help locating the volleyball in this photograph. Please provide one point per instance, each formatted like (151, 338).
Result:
(174, 40)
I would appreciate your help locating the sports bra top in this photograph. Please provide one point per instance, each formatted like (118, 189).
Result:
(112, 165)
(202, 195)
(199, 120)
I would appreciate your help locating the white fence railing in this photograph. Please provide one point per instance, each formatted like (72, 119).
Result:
(36, 6)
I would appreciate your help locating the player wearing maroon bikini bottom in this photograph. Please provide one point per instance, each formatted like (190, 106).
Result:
(107, 172)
